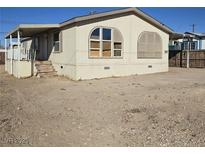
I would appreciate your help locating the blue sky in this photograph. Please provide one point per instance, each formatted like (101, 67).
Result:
(179, 19)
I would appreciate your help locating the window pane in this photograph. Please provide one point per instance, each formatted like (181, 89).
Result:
(106, 49)
(117, 45)
(95, 44)
(117, 52)
(56, 37)
(56, 46)
(94, 53)
(117, 37)
(96, 34)
(193, 45)
(106, 34)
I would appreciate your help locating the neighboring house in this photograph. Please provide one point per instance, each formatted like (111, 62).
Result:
(187, 41)
(117, 43)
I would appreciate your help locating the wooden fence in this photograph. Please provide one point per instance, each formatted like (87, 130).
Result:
(178, 58)
(2, 58)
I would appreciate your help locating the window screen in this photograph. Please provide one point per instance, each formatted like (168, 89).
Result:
(149, 45)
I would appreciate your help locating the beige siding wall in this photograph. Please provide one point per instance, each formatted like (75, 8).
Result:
(65, 61)
(130, 27)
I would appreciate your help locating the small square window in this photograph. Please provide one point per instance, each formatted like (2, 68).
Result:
(117, 45)
(117, 53)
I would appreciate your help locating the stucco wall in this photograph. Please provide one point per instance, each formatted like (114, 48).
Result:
(64, 62)
(130, 28)
(8, 67)
(20, 69)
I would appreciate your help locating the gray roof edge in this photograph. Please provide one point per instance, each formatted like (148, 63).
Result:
(134, 10)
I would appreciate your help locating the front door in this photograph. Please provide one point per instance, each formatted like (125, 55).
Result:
(44, 48)
(41, 47)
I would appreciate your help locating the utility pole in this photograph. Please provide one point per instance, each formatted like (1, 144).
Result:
(193, 27)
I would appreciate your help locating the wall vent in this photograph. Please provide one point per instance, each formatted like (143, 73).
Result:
(106, 68)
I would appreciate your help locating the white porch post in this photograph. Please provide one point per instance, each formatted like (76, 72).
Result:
(19, 43)
(187, 63)
(11, 55)
(5, 53)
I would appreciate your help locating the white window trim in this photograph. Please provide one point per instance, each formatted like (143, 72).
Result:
(56, 51)
(101, 44)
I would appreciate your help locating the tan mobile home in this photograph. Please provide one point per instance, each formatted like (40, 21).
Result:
(117, 43)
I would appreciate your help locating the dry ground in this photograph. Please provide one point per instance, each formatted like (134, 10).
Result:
(165, 109)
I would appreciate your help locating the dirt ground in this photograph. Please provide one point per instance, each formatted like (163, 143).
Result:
(164, 109)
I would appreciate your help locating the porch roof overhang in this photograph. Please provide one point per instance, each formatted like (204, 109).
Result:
(29, 30)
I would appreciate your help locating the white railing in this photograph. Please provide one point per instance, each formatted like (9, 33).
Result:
(16, 54)
(20, 54)
(10, 53)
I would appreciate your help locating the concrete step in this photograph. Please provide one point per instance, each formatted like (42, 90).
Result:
(47, 74)
(45, 69)
(43, 65)
(43, 62)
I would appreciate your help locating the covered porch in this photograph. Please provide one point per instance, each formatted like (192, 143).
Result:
(25, 44)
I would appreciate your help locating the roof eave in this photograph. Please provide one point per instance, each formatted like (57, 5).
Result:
(134, 10)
